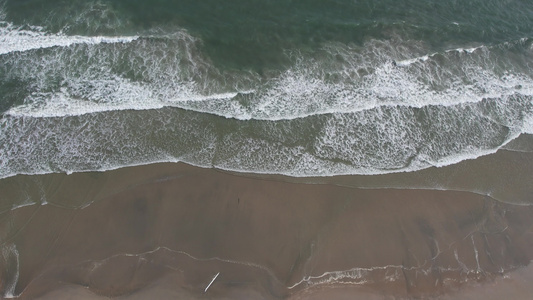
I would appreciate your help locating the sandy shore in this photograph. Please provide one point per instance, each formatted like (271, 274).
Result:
(165, 230)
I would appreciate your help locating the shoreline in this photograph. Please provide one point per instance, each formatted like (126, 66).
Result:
(121, 233)
(503, 176)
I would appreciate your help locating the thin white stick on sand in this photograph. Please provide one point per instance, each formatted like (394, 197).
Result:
(212, 280)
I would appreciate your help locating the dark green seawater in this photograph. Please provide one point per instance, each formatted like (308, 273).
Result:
(302, 88)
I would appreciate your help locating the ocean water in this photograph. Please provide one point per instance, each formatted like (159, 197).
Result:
(300, 88)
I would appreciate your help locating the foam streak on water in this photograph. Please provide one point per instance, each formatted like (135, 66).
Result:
(18, 39)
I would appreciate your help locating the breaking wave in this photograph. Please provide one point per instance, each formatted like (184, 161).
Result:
(85, 103)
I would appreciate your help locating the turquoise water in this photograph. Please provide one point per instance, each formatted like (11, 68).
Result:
(302, 88)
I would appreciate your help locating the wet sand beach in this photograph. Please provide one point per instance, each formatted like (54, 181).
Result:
(165, 230)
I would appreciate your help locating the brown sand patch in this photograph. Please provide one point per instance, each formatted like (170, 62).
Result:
(268, 239)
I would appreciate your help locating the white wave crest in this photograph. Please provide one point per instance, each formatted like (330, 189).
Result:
(338, 79)
(368, 78)
(132, 97)
(23, 38)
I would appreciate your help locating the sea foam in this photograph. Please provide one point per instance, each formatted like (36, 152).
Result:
(23, 38)
(369, 109)
(182, 77)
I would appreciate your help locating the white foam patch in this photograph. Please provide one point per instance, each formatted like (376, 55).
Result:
(366, 80)
(410, 61)
(528, 124)
(23, 38)
(107, 95)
